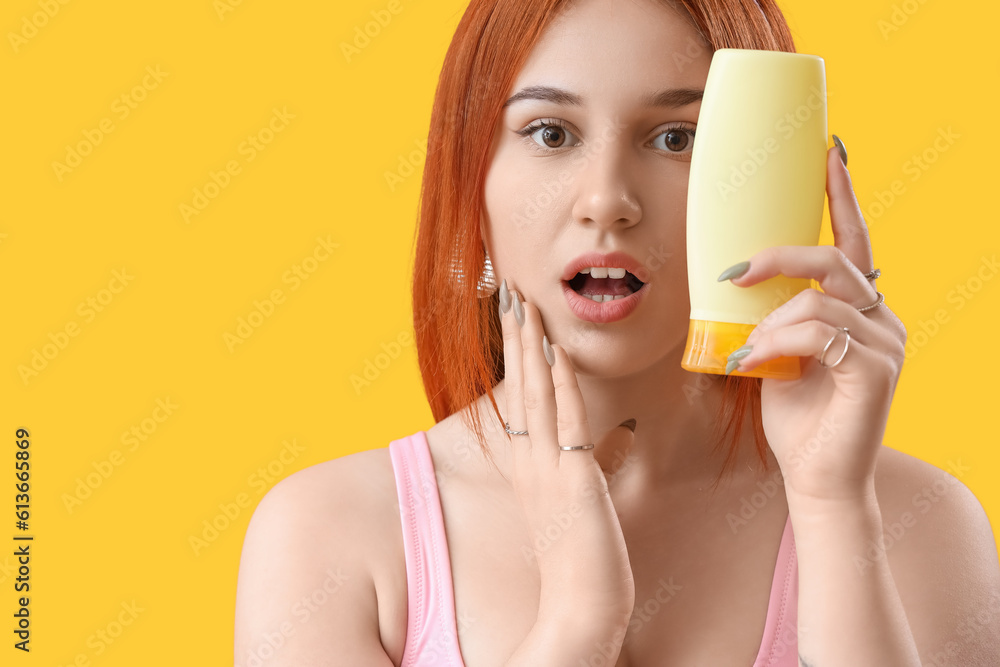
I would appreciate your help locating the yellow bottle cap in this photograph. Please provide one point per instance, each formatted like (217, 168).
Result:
(709, 344)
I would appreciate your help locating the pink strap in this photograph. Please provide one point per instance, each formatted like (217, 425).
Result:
(779, 647)
(431, 630)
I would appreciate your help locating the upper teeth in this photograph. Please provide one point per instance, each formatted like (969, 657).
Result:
(604, 272)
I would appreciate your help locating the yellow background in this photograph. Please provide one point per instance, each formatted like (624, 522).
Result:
(323, 175)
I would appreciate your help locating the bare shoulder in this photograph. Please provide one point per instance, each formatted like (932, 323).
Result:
(942, 553)
(306, 590)
(338, 505)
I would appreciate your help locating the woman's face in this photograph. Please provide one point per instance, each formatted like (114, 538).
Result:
(594, 157)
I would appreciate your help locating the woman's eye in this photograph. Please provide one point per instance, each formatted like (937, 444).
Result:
(549, 135)
(676, 140)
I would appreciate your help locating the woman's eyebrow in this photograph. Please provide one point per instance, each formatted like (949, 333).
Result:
(671, 97)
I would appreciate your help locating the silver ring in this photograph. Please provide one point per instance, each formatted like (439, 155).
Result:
(506, 427)
(878, 302)
(873, 274)
(847, 344)
(569, 448)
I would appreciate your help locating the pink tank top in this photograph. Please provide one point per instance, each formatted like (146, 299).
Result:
(431, 627)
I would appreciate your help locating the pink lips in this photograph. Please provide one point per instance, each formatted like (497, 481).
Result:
(607, 311)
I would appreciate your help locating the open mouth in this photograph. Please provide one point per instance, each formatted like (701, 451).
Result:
(605, 288)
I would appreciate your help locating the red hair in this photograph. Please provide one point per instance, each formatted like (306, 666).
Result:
(458, 337)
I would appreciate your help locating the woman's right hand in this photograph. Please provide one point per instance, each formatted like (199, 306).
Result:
(575, 532)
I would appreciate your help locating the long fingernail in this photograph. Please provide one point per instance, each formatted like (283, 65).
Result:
(550, 356)
(504, 298)
(740, 352)
(518, 310)
(841, 148)
(733, 360)
(629, 423)
(734, 271)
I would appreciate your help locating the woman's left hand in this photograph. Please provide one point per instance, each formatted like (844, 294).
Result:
(825, 428)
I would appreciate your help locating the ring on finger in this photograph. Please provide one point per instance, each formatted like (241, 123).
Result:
(878, 302)
(569, 448)
(506, 427)
(847, 344)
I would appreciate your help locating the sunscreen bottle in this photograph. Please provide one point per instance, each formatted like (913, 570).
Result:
(757, 179)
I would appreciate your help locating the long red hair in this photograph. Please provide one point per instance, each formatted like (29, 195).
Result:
(459, 344)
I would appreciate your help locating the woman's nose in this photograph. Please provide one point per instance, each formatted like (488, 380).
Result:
(606, 193)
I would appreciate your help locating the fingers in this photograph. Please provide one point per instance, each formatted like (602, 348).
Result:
(538, 389)
(573, 428)
(544, 399)
(808, 339)
(811, 304)
(794, 329)
(826, 264)
(514, 386)
(850, 231)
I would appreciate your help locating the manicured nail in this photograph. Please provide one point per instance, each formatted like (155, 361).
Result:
(504, 298)
(740, 352)
(518, 310)
(629, 423)
(550, 356)
(734, 271)
(733, 360)
(841, 148)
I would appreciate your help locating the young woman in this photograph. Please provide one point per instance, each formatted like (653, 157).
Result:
(560, 144)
